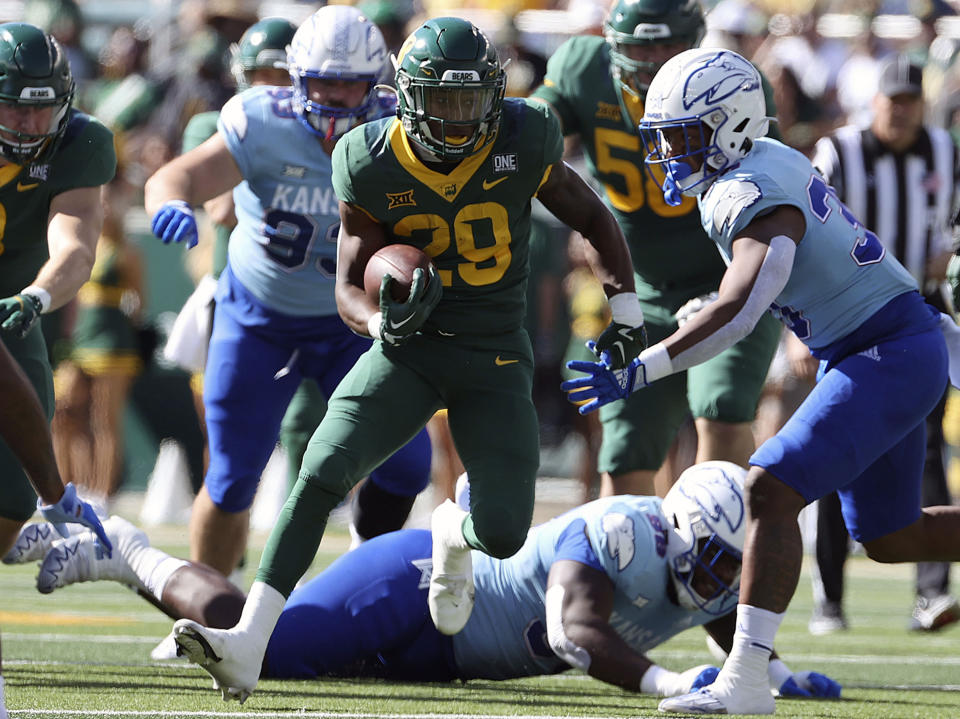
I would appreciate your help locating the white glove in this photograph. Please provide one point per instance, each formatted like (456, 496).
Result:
(691, 307)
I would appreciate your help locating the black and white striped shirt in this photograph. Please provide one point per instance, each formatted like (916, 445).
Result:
(908, 199)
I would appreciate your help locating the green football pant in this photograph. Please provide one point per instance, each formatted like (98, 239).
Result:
(386, 398)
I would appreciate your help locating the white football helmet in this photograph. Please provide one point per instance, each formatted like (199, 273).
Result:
(711, 103)
(337, 42)
(706, 517)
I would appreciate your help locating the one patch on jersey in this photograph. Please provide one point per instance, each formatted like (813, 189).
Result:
(737, 196)
(620, 538)
(400, 199)
(234, 118)
(39, 172)
(504, 162)
(294, 171)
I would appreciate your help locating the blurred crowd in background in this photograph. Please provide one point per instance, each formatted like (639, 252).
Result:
(144, 68)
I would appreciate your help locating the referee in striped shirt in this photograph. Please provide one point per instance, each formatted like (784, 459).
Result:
(900, 178)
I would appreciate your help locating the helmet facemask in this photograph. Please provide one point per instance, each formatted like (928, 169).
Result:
(672, 142)
(23, 147)
(706, 575)
(706, 517)
(454, 117)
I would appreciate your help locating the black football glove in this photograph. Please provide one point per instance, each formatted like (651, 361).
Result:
(400, 320)
(618, 344)
(18, 314)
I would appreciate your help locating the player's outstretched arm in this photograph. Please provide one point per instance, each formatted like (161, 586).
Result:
(572, 201)
(203, 173)
(575, 204)
(579, 601)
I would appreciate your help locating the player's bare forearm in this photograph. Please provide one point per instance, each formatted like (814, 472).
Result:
(612, 659)
(360, 237)
(24, 427)
(587, 602)
(575, 204)
(202, 174)
(74, 226)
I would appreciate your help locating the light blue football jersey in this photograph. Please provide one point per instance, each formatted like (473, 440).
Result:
(841, 274)
(284, 247)
(626, 534)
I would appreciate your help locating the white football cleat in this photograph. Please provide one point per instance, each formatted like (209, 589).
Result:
(450, 597)
(224, 654)
(81, 558)
(722, 697)
(33, 542)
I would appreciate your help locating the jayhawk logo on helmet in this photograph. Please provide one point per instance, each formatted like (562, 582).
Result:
(737, 76)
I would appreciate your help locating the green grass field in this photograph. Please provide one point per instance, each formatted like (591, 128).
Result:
(83, 651)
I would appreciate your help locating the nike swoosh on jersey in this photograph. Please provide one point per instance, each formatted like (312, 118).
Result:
(23, 188)
(501, 362)
(487, 184)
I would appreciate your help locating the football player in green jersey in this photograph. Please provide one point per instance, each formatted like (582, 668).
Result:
(53, 162)
(596, 87)
(454, 176)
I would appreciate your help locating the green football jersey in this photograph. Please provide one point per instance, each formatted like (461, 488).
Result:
(84, 158)
(201, 128)
(668, 245)
(473, 222)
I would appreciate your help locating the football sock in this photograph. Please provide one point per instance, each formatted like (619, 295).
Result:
(157, 579)
(752, 643)
(260, 614)
(3, 701)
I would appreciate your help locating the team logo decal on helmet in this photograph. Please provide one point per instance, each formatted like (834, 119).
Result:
(735, 78)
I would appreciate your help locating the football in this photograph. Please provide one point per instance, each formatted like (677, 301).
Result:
(399, 261)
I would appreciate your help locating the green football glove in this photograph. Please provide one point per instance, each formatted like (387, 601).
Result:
(400, 320)
(618, 344)
(18, 314)
(953, 277)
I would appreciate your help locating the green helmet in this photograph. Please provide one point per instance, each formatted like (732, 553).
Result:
(263, 45)
(450, 88)
(649, 22)
(33, 72)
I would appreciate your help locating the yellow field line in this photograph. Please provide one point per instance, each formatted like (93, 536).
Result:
(52, 618)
